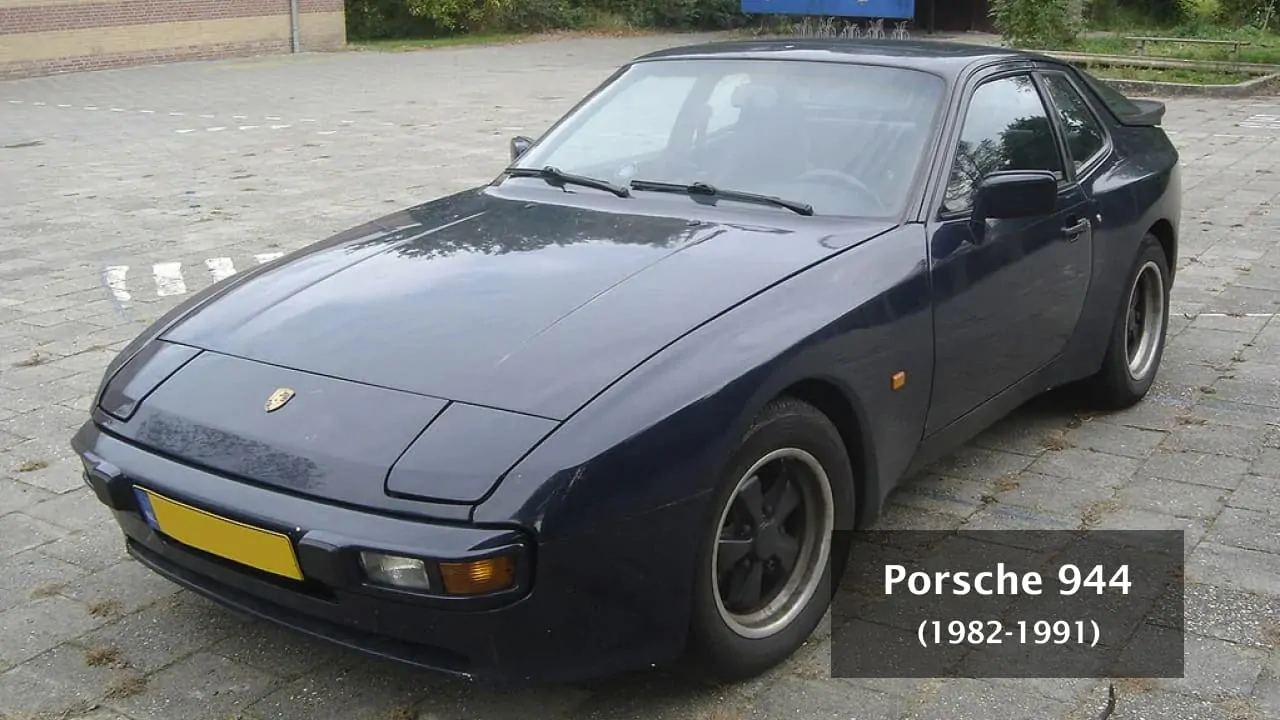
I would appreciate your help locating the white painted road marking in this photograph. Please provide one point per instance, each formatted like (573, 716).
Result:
(169, 279)
(220, 268)
(116, 280)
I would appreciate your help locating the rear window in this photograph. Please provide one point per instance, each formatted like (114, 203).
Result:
(1122, 106)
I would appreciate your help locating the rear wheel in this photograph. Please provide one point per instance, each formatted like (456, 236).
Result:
(764, 569)
(1138, 334)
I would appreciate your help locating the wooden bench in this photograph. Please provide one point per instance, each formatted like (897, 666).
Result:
(1235, 44)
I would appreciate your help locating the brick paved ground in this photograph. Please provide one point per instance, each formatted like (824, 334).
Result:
(109, 179)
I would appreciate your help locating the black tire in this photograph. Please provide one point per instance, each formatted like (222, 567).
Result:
(1116, 385)
(801, 433)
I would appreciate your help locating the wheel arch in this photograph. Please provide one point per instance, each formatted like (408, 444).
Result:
(1165, 234)
(847, 415)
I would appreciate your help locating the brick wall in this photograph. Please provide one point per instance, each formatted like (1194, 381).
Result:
(40, 37)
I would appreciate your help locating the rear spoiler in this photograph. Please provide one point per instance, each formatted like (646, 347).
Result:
(1150, 113)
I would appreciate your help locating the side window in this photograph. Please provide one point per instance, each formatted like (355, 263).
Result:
(1006, 128)
(1085, 137)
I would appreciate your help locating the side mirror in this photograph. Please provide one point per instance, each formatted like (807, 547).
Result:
(519, 145)
(1009, 195)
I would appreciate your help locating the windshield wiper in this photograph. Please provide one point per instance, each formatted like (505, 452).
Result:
(559, 179)
(710, 191)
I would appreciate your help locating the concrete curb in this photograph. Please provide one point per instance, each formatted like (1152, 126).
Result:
(1265, 85)
(1267, 82)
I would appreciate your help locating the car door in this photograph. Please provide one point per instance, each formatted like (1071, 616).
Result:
(1007, 295)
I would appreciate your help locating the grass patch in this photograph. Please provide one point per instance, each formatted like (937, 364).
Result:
(1193, 76)
(104, 608)
(1110, 39)
(598, 25)
(126, 686)
(28, 466)
(104, 657)
(410, 44)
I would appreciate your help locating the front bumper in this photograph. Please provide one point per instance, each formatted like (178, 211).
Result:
(583, 608)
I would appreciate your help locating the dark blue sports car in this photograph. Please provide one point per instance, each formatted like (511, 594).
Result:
(615, 407)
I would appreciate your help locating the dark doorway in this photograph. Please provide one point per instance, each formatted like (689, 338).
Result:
(953, 16)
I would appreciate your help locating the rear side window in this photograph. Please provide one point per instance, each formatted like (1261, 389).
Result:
(1122, 106)
(1085, 136)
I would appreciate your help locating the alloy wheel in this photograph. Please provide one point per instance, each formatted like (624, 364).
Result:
(1144, 320)
(773, 544)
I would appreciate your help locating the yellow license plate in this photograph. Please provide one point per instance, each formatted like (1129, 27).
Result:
(260, 549)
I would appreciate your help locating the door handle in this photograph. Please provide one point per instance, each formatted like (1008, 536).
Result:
(1076, 230)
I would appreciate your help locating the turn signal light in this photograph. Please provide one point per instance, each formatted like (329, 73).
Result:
(478, 577)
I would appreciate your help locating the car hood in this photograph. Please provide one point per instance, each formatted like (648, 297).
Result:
(499, 301)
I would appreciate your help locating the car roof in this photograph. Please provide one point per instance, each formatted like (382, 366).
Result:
(949, 59)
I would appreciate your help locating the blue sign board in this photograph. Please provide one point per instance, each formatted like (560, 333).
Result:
(889, 9)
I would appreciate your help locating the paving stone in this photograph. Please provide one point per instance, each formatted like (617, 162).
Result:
(1257, 492)
(971, 463)
(15, 496)
(939, 494)
(1238, 617)
(73, 510)
(1223, 412)
(1217, 669)
(1216, 440)
(1268, 463)
(1248, 391)
(40, 625)
(1055, 496)
(1145, 416)
(1250, 529)
(196, 687)
(1196, 468)
(57, 683)
(165, 631)
(19, 532)
(652, 694)
(982, 700)
(1086, 465)
(372, 690)
(93, 549)
(1241, 569)
(120, 589)
(1245, 325)
(453, 701)
(1115, 440)
(1169, 497)
(1159, 705)
(29, 576)
(1266, 695)
(1209, 347)
(1123, 518)
(38, 463)
(281, 652)
(821, 700)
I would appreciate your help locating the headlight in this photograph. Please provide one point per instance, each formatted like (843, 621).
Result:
(395, 570)
(463, 578)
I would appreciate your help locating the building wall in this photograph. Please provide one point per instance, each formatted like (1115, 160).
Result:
(39, 37)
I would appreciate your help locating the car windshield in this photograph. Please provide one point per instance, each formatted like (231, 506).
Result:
(845, 139)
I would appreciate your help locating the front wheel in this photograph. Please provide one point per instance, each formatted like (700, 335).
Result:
(765, 566)
(1138, 334)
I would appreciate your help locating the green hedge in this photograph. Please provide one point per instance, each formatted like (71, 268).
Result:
(374, 19)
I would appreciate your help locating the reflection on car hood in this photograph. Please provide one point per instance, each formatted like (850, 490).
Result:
(530, 307)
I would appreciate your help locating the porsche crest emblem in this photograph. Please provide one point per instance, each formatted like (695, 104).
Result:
(278, 399)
